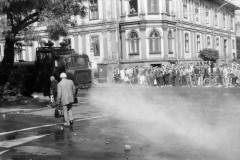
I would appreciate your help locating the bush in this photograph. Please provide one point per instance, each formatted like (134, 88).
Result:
(209, 55)
(16, 81)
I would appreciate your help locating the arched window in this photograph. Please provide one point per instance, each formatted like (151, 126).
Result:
(154, 42)
(170, 42)
(133, 43)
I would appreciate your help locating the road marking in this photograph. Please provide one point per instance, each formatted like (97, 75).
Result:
(49, 125)
(16, 142)
(26, 129)
(3, 152)
(83, 102)
(83, 119)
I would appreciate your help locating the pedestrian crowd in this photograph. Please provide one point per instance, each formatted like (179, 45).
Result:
(184, 74)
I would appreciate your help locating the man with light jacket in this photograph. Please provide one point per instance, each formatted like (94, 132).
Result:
(66, 92)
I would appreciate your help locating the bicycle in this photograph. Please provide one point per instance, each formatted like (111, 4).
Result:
(212, 81)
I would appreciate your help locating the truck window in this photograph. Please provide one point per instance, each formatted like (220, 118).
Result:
(75, 62)
(44, 55)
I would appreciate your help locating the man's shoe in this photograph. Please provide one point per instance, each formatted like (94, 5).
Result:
(71, 123)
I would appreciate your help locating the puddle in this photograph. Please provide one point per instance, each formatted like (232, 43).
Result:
(11, 136)
(41, 151)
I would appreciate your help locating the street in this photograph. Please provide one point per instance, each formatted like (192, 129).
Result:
(119, 122)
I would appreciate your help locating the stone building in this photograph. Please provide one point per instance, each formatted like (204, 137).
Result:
(148, 32)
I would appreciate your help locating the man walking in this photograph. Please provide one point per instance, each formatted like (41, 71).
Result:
(66, 91)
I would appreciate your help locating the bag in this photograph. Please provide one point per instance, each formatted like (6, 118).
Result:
(58, 112)
(75, 100)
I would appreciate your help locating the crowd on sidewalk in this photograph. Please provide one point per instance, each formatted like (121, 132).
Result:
(184, 74)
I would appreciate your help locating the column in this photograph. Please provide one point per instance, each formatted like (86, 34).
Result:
(178, 44)
(194, 42)
(229, 48)
(182, 43)
(123, 10)
(105, 45)
(104, 9)
(113, 9)
(34, 51)
(27, 53)
(142, 7)
(114, 45)
(175, 54)
(165, 42)
(84, 43)
(76, 43)
(164, 12)
(143, 42)
(221, 46)
(123, 44)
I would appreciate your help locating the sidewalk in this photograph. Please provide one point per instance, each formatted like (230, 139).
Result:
(24, 104)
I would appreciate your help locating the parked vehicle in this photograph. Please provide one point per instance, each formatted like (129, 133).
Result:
(52, 61)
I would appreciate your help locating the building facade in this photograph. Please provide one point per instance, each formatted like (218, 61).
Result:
(149, 32)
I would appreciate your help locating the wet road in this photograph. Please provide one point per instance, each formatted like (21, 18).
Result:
(131, 122)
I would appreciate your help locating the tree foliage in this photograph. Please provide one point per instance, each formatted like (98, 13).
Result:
(209, 54)
(18, 17)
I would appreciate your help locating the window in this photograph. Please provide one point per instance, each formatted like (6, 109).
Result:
(187, 42)
(185, 9)
(208, 42)
(95, 45)
(197, 12)
(168, 7)
(207, 16)
(133, 43)
(153, 6)
(231, 22)
(133, 7)
(225, 48)
(198, 43)
(216, 18)
(217, 43)
(154, 42)
(93, 8)
(170, 42)
(233, 44)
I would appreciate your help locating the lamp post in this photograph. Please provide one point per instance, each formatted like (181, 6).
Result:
(225, 56)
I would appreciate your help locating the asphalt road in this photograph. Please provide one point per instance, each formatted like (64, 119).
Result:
(115, 122)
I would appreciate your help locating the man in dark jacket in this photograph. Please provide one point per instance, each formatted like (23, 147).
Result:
(53, 91)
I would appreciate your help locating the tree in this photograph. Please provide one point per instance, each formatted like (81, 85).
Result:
(20, 15)
(208, 54)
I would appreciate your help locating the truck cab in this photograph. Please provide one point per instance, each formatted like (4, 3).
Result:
(52, 61)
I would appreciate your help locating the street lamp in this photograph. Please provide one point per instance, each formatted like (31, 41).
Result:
(214, 25)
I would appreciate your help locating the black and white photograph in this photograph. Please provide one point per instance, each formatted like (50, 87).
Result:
(119, 79)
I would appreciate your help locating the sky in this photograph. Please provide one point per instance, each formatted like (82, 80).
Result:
(236, 2)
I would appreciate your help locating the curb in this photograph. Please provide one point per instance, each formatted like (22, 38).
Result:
(24, 110)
